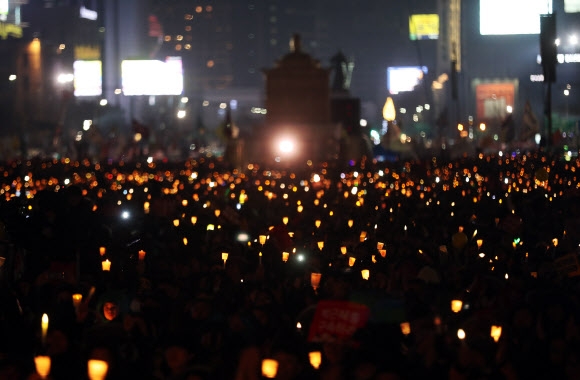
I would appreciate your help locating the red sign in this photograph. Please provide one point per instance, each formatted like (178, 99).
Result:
(337, 320)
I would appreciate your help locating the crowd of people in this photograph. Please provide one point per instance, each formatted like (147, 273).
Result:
(212, 272)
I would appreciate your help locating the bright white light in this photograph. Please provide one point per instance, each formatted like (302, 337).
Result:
(286, 146)
(461, 334)
(65, 78)
(223, 106)
(181, 114)
(103, 102)
(125, 215)
(12, 77)
(66, 181)
(509, 109)
(363, 123)
(573, 39)
(300, 257)
(149, 160)
(566, 92)
(87, 125)
(184, 99)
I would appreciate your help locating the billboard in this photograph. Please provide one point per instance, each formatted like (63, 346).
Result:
(504, 17)
(571, 6)
(404, 78)
(152, 77)
(424, 27)
(492, 99)
(88, 78)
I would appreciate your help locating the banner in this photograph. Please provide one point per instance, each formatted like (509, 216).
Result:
(337, 321)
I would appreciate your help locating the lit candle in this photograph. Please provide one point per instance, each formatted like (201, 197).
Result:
(285, 256)
(315, 280)
(42, 364)
(77, 298)
(405, 328)
(106, 265)
(365, 274)
(495, 333)
(456, 305)
(193, 220)
(479, 243)
(351, 261)
(350, 222)
(225, 257)
(315, 358)
(317, 223)
(262, 239)
(380, 245)
(269, 368)
(97, 369)
(285, 220)
(102, 250)
(44, 327)
(343, 250)
(142, 254)
(320, 245)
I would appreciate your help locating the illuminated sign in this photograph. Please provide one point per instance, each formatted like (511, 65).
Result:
(152, 77)
(424, 27)
(88, 78)
(563, 58)
(492, 99)
(503, 17)
(405, 78)
(87, 52)
(571, 6)
(88, 14)
(10, 30)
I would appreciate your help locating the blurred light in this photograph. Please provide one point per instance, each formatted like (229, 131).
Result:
(103, 102)
(12, 77)
(573, 39)
(509, 109)
(181, 114)
(87, 125)
(184, 99)
(65, 78)
(363, 123)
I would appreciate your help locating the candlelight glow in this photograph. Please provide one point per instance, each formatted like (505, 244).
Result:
(456, 305)
(315, 280)
(106, 265)
(77, 298)
(350, 222)
(315, 358)
(102, 251)
(351, 261)
(405, 328)
(365, 273)
(44, 327)
(380, 245)
(176, 222)
(320, 245)
(42, 364)
(193, 220)
(479, 243)
(262, 239)
(383, 253)
(97, 369)
(461, 334)
(343, 250)
(269, 368)
(285, 220)
(285, 256)
(495, 333)
(317, 223)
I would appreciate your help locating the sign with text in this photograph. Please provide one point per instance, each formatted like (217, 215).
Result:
(337, 320)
